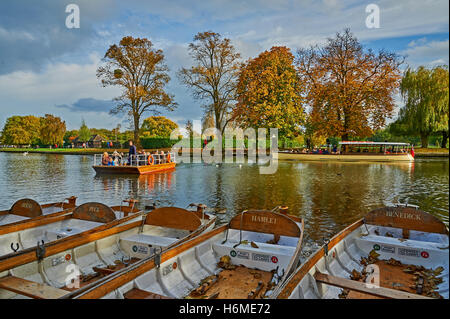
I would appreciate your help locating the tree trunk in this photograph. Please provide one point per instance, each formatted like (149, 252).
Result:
(344, 137)
(444, 139)
(424, 140)
(136, 132)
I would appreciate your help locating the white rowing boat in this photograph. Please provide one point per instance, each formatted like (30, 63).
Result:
(88, 257)
(26, 209)
(394, 252)
(25, 235)
(247, 258)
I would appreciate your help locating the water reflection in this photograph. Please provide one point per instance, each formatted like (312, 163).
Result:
(328, 195)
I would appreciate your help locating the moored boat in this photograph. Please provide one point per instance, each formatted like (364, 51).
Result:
(89, 257)
(137, 164)
(246, 258)
(26, 209)
(89, 217)
(355, 151)
(394, 252)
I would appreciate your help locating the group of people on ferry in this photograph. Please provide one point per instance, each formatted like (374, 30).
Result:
(136, 157)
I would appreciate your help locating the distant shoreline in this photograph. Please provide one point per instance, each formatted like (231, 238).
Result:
(419, 153)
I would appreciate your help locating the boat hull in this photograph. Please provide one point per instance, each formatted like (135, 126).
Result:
(344, 157)
(329, 269)
(196, 260)
(137, 170)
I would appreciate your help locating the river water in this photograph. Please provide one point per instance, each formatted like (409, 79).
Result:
(328, 195)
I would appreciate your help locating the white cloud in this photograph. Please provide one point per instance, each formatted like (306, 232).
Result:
(429, 53)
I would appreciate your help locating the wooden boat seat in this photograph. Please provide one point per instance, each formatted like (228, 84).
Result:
(173, 217)
(30, 289)
(363, 287)
(137, 293)
(408, 218)
(26, 208)
(94, 212)
(406, 250)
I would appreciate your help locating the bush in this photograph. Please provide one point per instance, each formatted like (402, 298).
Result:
(157, 142)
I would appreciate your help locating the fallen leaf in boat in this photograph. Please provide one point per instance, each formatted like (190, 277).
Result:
(438, 271)
(363, 261)
(244, 242)
(225, 263)
(377, 232)
(374, 254)
(356, 275)
(254, 245)
(225, 259)
(388, 234)
(393, 262)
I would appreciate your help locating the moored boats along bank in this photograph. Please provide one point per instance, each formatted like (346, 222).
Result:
(98, 254)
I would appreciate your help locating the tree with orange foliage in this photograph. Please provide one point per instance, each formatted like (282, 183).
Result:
(350, 90)
(269, 93)
(139, 69)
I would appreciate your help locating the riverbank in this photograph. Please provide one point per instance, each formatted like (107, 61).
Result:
(431, 152)
(419, 152)
(68, 151)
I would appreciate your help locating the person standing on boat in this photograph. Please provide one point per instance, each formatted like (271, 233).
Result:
(105, 159)
(131, 152)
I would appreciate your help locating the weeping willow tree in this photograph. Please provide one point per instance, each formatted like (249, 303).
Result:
(425, 93)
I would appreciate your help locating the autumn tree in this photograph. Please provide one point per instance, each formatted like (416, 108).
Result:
(189, 128)
(70, 135)
(21, 130)
(350, 90)
(425, 93)
(139, 69)
(269, 92)
(84, 133)
(52, 130)
(158, 126)
(213, 76)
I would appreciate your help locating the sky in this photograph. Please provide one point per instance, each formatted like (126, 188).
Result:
(46, 67)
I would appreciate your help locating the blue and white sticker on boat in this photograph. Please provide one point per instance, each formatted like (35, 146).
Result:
(240, 254)
(140, 249)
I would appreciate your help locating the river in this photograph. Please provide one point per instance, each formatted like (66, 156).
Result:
(328, 195)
